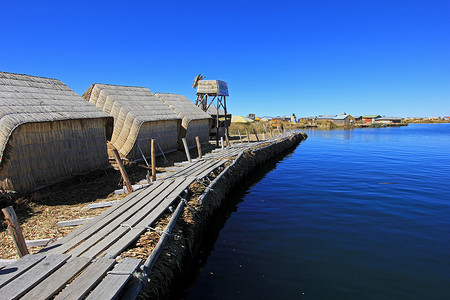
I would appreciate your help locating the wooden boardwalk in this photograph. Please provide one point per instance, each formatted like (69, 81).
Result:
(83, 263)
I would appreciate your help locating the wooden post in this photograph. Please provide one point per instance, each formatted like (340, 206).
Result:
(227, 140)
(256, 135)
(186, 149)
(14, 229)
(264, 137)
(199, 147)
(153, 159)
(248, 135)
(221, 142)
(240, 137)
(122, 170)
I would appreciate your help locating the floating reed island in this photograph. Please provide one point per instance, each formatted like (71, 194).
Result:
(140, 243)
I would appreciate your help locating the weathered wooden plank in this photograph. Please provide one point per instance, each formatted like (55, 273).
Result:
(15, 269)
(97, 223)
(102, 204)
(204, 173)
(187, 171)
(192, 170)
(57, 280)
(6, 262)
(54, 247)
(83, 284)
(116, 279)
(72, 222)
(38, 243)
(120, 231)
(141, 207)
(139, 228)
(25, 282)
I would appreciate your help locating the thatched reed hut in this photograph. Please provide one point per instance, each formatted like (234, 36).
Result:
(47, 133)
(138, 117)
(195, 122)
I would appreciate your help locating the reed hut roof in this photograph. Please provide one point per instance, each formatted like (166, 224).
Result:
(183, 107)
(130, 106)
(31, 99)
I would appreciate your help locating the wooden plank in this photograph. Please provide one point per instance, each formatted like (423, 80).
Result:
(120, 231)
(94, 237)
(116, 279)
(83, 284)
(198, 168)
(25, 282)
(139, 228)
(6, 262)
(39, 243)
(72, 222)
(53, 248)
(15, 269)
(189, 171)
(102, 204)
(58, 280)
(96, 224)
(210, 169)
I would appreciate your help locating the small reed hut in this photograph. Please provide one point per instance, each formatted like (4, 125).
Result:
(139, 116)
(195, 122)
(47, 133)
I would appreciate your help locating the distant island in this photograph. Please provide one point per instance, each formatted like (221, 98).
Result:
(267, 124)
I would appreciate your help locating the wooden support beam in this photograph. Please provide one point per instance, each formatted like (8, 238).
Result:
(186, 149)
(14, 229)
(221, 142)
(123, 172)
(153, 159)
(199, 147)
(240, 137)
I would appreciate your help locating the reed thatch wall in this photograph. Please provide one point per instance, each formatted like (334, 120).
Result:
(137, 113)
(41, 122)
(165, 133)
(195, 122)
(42, 153)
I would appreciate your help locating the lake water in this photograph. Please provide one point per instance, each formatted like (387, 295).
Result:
(349, 214)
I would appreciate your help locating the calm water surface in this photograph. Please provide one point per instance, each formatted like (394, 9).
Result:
(357, 214)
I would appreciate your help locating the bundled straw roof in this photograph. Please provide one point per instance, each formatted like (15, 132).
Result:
(30, 99)
(131, 107)
(183, 107)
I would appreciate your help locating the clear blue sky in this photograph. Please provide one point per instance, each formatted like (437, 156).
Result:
(278, 57)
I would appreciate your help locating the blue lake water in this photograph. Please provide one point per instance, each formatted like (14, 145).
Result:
(349, 214)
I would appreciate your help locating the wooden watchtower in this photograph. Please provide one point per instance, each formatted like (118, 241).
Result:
(211, 98)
